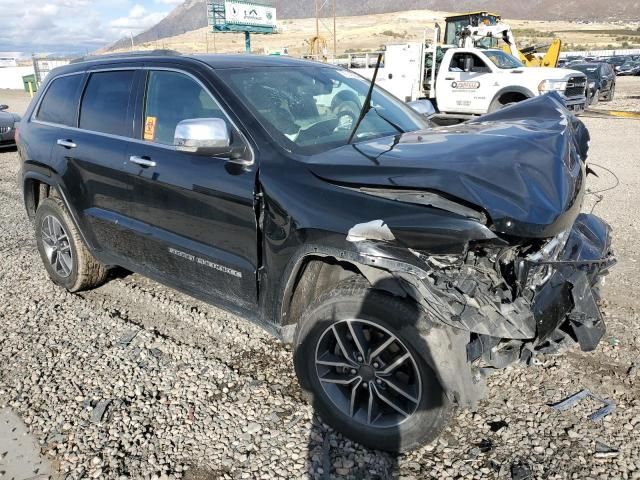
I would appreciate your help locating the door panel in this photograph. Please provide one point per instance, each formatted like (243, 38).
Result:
(195, 214)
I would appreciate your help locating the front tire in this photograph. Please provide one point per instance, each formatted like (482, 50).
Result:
(64, 254)
(360, 355)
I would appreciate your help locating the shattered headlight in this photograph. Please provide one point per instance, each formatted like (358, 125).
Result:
(539, 272)
(552, 86)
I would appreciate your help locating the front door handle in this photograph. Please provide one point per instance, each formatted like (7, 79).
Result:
(449, 78)
(142, 161)
(66, 143)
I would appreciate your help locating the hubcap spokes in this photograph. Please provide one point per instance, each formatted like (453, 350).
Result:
(56, 246)
(368, 373)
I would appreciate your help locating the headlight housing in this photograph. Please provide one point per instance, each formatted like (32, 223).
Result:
(552, 86)
(592, 84)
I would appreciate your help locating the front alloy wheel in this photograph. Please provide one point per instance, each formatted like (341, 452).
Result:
(368, 373)
(361, 355)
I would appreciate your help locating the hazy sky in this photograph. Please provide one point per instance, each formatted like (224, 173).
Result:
(72, 26)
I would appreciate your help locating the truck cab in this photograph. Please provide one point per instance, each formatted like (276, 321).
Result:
(478, 81)
(466, 80)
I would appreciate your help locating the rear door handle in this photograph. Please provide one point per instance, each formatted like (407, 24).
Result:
(449, 78)
(66, 143)
(142, 161)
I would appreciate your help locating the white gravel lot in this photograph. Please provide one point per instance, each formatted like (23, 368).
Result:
(194, 392)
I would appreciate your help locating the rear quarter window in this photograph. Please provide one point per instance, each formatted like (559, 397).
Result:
(60, 101)
(105, 102)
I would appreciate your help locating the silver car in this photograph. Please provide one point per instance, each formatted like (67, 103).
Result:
(8, 122)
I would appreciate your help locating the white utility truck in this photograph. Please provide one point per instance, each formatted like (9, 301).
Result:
(466, 80)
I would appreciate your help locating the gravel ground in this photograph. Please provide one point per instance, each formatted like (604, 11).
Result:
(136, 380)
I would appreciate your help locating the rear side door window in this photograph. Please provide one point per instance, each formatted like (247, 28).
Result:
(172, 97)
(59, 104)
(105, 102)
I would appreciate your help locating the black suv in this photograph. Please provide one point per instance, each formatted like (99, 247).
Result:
(602, 80)
(399, 259)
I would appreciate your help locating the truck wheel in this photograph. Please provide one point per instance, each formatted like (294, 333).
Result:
(65, 256)
(347, 113)
(612, 93)
(359, 354)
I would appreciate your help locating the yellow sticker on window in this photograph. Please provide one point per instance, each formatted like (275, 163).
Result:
(150, 128)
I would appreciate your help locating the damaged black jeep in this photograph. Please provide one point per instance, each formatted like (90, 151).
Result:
(402, 261)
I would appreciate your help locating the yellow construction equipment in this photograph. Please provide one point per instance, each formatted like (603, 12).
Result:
(318, 47)
(486, 29)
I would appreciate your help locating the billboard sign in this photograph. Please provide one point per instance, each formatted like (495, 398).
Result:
(246, 13)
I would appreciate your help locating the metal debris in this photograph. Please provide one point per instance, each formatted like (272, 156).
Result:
(497, 425)
(99, 410)
(605, 451)
(127, 338)
(485, 445)
(520, 471)
(606, 409)
(374, 230)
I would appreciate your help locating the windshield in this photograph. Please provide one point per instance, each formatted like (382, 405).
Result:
(590, 71)
(309, 110)
(503, 60)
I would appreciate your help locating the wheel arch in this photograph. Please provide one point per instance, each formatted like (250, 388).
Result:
(39, 182)
(511, 90)
(316, 269)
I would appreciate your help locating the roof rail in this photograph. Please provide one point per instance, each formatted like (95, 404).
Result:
(137, 53)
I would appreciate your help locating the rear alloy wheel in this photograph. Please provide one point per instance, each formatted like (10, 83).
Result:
(56, 246)
(64, 254)
(359, 353)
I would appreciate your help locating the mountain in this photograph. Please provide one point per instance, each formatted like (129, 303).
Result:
(191, 15)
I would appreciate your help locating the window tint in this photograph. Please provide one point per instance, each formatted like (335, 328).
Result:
(105, 101)
(173, 97)
(60, 102)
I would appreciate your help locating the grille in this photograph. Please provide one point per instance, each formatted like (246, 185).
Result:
(576, 86)
(5, 129)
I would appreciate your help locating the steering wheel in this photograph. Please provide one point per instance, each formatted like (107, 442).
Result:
(317, 131)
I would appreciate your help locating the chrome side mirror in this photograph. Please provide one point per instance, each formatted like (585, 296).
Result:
(423, 107)
(203, 136)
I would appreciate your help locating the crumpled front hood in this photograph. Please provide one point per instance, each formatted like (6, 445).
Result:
(524, 165)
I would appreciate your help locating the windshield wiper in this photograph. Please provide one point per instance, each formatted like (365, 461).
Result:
(366, 106)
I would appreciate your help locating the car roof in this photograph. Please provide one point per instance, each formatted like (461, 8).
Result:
(215, 61)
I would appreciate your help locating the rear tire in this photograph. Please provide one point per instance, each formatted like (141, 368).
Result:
(64, 254)
(326, 330)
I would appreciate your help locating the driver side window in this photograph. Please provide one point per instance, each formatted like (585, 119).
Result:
(172, 97)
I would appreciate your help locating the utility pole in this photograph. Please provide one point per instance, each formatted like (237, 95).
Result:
(324, 10)
(318, 19)
(334, 29)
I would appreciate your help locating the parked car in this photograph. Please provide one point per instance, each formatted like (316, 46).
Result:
(8, 122)
(601, 80)
(630, 68)
(398, 259)
(616, 62)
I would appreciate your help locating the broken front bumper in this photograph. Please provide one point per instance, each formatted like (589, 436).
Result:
(567, 300)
